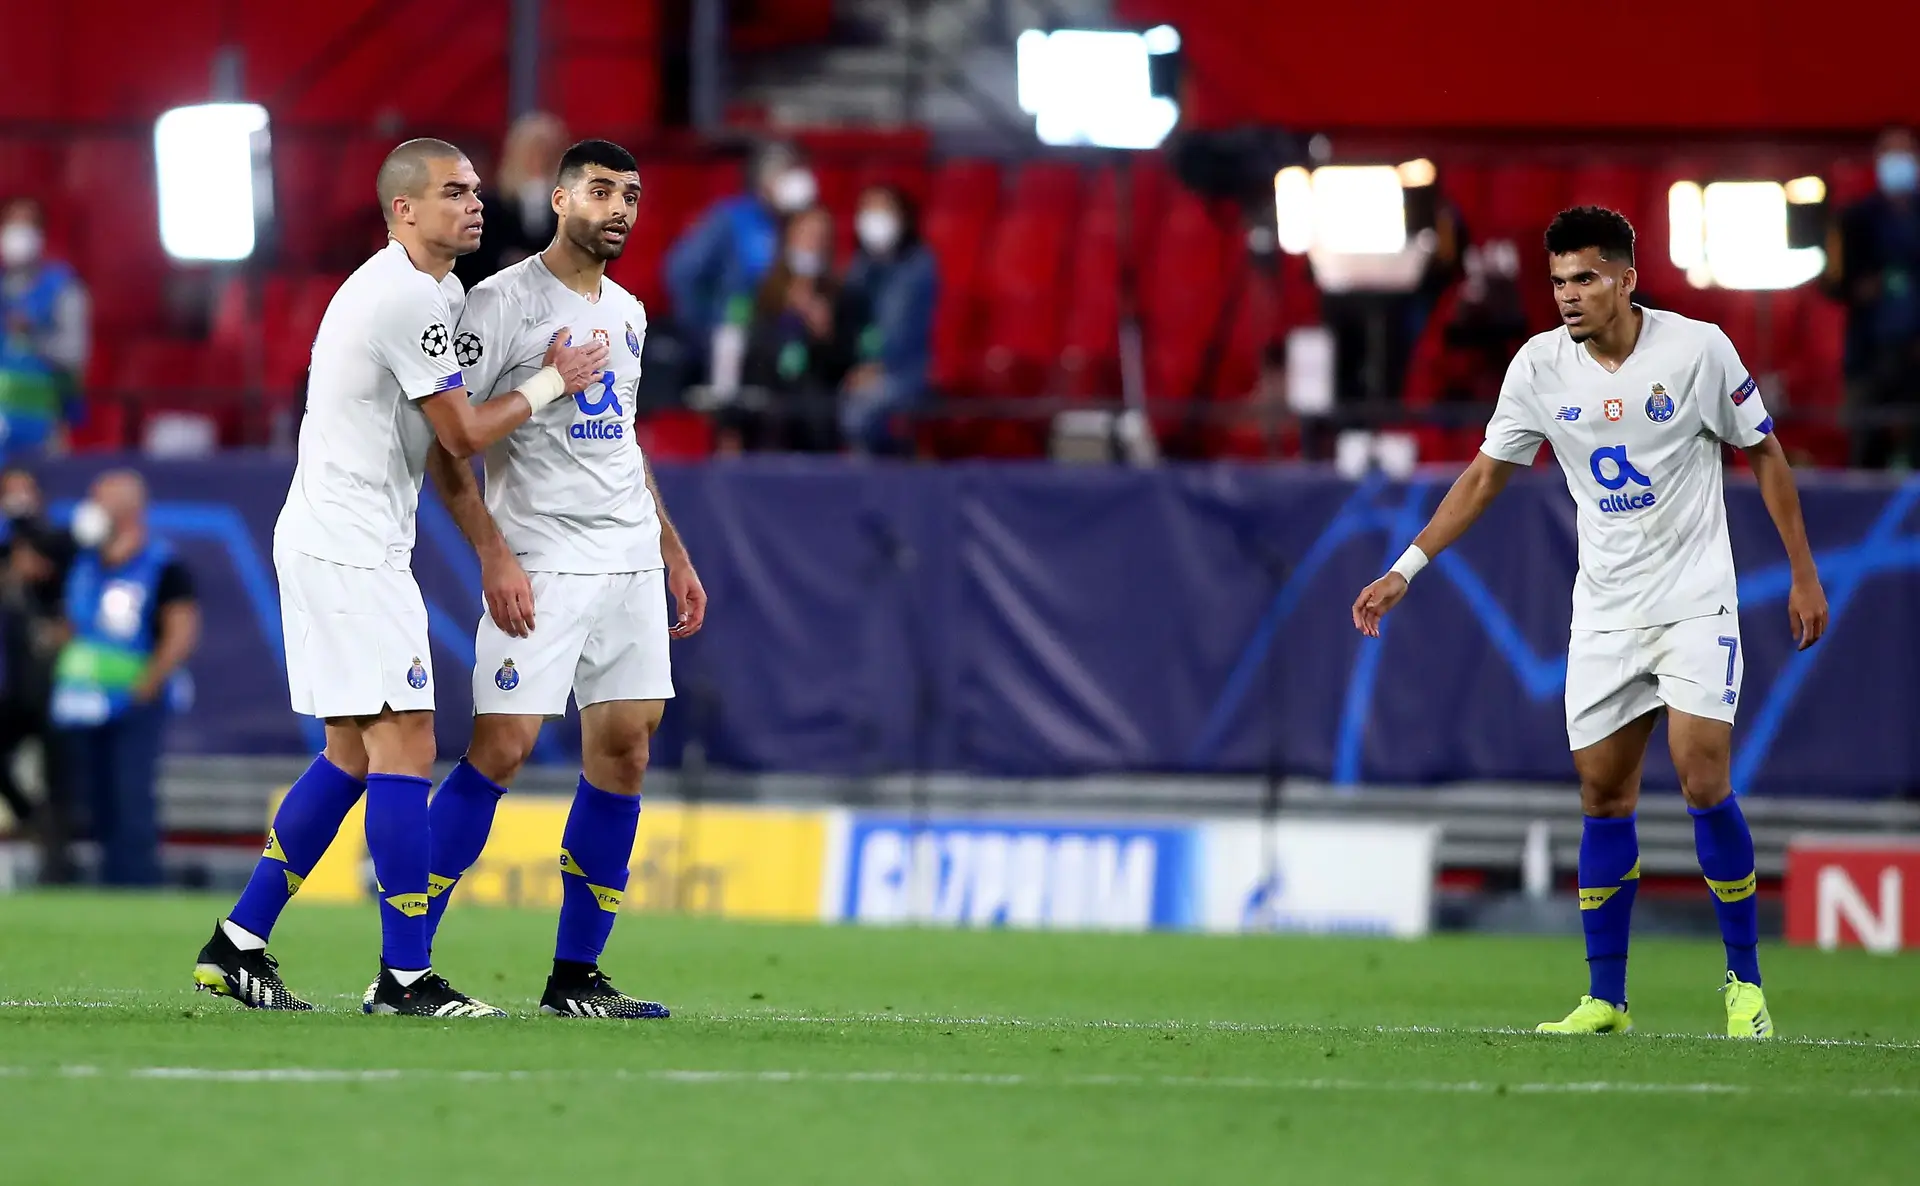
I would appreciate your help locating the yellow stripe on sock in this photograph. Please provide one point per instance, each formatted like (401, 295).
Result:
(437, 885)
(569, 865)
(608, 897)
(1633, 874)
(294, 881)
(411, 905)
(1593, 899)
(1732, 891)
(273, 850)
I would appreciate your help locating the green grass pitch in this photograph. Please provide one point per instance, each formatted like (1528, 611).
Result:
(849, 1055)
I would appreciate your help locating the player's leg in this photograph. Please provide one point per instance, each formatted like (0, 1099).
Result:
(327, 674)
(518, 683)
(1700, 677)
(595, 848)
(1611, 704)
(622, 684)
(461, 815)
(303, 827)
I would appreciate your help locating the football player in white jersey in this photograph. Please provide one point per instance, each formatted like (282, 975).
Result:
(571, 525)
(1636, 403)
(385, 384)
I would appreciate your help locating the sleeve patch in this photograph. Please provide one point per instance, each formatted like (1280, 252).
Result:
(435, 340)
(1745, 391)
(448, 383)
(1765, 427)
(467, 349)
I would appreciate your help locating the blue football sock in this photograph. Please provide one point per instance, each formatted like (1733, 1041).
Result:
(458, 819)
(1609, 879)
(1725, 846)
(306, 823)
(594, 850)
(397, 841)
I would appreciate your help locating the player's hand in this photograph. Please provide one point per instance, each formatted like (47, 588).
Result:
(1807, 611)
(691, 596)
(1374, 602)
(578, 365)
(509, 595)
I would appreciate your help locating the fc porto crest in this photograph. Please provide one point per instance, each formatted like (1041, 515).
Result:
(417, 674)
(506, 679)
(1659, 405)
(1614, 408)
(633, 341)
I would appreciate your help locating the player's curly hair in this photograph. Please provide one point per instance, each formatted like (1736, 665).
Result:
(1592, 226)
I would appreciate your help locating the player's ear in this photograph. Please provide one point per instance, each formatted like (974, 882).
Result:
(559, 199)
(1629, 280)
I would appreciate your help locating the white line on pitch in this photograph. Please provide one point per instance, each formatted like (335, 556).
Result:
(954, 1078)
(778, 1017)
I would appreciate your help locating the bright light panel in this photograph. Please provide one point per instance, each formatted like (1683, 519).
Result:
(205, 160)
(1746, 224)
(1085, 87)
(1686, 215)
(1359, 210)
(1162, 39)
(1733, 234)
(1418, 174)
(1293, 209)
(1806, 191)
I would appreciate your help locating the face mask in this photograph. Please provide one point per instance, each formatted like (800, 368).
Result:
(879, 230)
(805, 263)
(794, 190)
(20, 244)
(91, 526)
(1898, 172)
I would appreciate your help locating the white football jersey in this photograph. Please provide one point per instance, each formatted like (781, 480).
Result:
(1641, 450)
(385, 342)
(568, 489)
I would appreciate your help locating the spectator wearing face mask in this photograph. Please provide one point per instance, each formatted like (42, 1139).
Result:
(714, 269)
(44, 324)
(895, 281)
(131, 623)
(799, 347)
(1874, 268)
(520, 217)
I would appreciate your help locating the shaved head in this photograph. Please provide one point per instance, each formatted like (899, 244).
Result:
(408, 169)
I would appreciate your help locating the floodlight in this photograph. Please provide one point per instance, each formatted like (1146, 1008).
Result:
(214, 179)
(1091, 87)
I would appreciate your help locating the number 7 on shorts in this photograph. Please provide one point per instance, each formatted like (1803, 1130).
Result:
(1733, 648)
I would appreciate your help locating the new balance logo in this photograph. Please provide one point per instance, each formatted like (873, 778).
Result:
(1728, 696)
(1568, 414)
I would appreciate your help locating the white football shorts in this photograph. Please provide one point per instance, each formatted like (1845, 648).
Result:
(1616, 676)
(356, 638)
(601, 636)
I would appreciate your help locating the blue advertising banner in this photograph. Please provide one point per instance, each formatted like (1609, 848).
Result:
(1029, 620)
(1057, 876)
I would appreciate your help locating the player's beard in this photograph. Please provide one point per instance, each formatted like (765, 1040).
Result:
(590, 237)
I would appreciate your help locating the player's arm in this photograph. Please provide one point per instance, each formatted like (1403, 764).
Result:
(1806, 600)
(1739, 417)
(1466, 500)
(503, 583)
(465, 430)
(1512, 441)
(682, 581)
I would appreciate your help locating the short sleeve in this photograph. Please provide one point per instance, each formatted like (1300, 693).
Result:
(414, 340)
(175, 584)
(487, 343)
(1729, 398)
(1512, 435)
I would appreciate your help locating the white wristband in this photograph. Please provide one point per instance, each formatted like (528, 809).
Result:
(543, 388)
(1410, 563)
